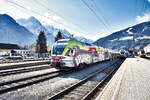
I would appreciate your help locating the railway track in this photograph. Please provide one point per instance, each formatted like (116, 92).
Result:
(23, 82)
(23, 70)
(18, 61)
(22, 64)
(100, 85)
(148, 58)
(13, 85)
(84, 88)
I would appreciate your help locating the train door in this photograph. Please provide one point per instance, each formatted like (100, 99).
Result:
(69, 58)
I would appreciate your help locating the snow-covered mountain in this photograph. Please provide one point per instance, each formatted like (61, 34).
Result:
(55, 30)
(35, 26)
(12, 32)
(82, 39)
(25, 31)
(124, 39)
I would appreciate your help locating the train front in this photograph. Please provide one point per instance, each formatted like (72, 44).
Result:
(57, 54)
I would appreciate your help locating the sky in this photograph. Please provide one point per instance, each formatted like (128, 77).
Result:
(92, 19)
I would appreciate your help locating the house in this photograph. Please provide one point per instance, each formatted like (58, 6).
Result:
(13, 49)
(7, 48)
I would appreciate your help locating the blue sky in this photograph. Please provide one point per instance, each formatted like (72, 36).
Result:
(75, 16)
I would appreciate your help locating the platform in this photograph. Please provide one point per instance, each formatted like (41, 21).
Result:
(130, 82)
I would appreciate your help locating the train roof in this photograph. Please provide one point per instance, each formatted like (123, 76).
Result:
(73, 39)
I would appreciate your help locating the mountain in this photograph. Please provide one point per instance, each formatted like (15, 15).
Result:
(35, 26)
(12, 32)
(82, 39)
(124, 39)
(55, 30)
(66, 34)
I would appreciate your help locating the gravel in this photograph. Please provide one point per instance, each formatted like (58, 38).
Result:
(50, 87)
(27, 62)
(23, 75)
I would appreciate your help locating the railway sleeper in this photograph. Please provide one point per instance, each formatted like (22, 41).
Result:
(72, 97)
(83, 91)
(77, 93)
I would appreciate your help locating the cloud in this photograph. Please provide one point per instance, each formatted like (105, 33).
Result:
(148, 0)
(53, 17)
(44, 16)
(144, 18)
(29, 8)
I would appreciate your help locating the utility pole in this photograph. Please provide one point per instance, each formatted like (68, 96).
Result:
(132, 45)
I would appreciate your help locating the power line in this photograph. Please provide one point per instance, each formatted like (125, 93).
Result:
(103, 17)
(96, 15)
(143, 7)
(37, 13)
(135, 8)
(56, 13)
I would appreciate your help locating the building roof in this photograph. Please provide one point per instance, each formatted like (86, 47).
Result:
(9, 46)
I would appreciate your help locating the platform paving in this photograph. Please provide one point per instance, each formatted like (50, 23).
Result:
(130, 82)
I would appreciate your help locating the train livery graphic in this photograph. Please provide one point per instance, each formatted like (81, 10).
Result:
(69, 53)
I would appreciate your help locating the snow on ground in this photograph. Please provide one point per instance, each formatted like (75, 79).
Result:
(48, 88)
(145, 28)
(21, 68)
(23, 75)
(126, 38)
(129, 31)
(27, 62)
(144, 37)
(123, 38)
(113, 40)
(99, 77)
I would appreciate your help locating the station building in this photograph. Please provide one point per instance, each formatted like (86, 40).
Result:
(9, 49)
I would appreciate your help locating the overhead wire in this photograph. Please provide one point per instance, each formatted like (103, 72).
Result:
(97, 16)
(143, 7)
(101, 14)
(58, 14)
(37, 13)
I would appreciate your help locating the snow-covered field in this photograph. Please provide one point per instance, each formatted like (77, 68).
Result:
(48, 88)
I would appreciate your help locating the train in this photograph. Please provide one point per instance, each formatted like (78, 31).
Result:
(71, 53)
(124, 54)
(141, 53)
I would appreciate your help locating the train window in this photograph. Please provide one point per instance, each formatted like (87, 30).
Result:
(62, 41)
(99, 50)
(95, 53)
(69, 52)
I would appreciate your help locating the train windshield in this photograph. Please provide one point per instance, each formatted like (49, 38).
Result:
(142, 52)
(122, 52)
(58, 49)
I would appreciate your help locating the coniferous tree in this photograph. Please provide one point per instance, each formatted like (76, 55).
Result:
(41, 45)
(59, 36)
